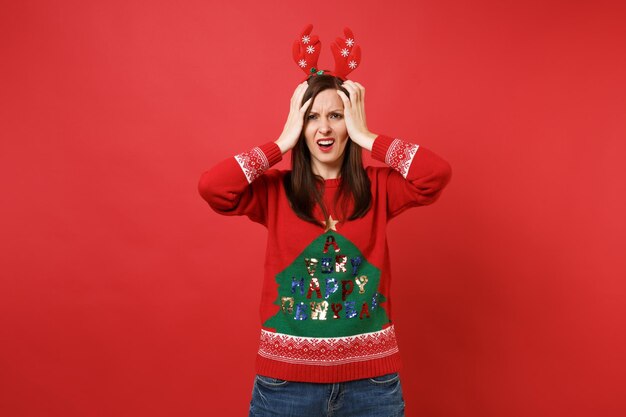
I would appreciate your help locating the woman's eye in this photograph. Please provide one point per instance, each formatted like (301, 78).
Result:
(312, 116)
(336, 116)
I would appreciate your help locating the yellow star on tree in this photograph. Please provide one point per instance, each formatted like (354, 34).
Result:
(330, 224)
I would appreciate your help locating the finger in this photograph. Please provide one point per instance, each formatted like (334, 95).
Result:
(354, 94)
(361, 89)
(302, 86)
(299, 102)
(306, 105)
(298, 93)
(346, 101)
(358, 90)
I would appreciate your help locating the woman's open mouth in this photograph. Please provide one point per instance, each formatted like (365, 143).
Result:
(326, 144)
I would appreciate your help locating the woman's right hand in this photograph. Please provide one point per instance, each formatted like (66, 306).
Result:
(295, 120)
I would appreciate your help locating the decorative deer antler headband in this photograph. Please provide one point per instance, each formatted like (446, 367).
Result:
(306, 51)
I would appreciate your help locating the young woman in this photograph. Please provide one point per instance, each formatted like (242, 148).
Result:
(328, 346)
(327, 341)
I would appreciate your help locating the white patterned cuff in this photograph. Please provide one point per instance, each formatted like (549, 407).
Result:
(253, 163)
(399, 156)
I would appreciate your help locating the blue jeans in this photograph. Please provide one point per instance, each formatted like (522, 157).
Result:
(370, 397)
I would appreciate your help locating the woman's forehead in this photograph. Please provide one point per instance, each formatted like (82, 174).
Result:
(327, 100)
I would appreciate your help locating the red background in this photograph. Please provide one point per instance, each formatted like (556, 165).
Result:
(122, 294)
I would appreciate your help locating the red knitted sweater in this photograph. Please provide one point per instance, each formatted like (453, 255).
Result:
(325, 308)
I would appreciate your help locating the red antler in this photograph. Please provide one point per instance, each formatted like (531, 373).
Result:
(347, 54)
(306, 51)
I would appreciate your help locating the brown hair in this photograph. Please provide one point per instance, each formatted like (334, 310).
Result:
(305, 189)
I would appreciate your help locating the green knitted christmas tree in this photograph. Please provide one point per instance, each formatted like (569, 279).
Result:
(329, 290)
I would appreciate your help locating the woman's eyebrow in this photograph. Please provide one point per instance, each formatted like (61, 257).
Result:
(329, 111)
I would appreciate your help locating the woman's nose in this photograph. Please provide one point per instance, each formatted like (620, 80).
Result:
(324, 127)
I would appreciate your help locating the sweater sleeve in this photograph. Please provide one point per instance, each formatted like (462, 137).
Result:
(418, 177)
(237, 186)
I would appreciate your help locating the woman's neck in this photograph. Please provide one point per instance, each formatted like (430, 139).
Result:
(326, 171)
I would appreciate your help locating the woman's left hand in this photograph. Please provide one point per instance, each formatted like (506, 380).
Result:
(354, 114)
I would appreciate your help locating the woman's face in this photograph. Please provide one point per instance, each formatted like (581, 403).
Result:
(326, 134)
